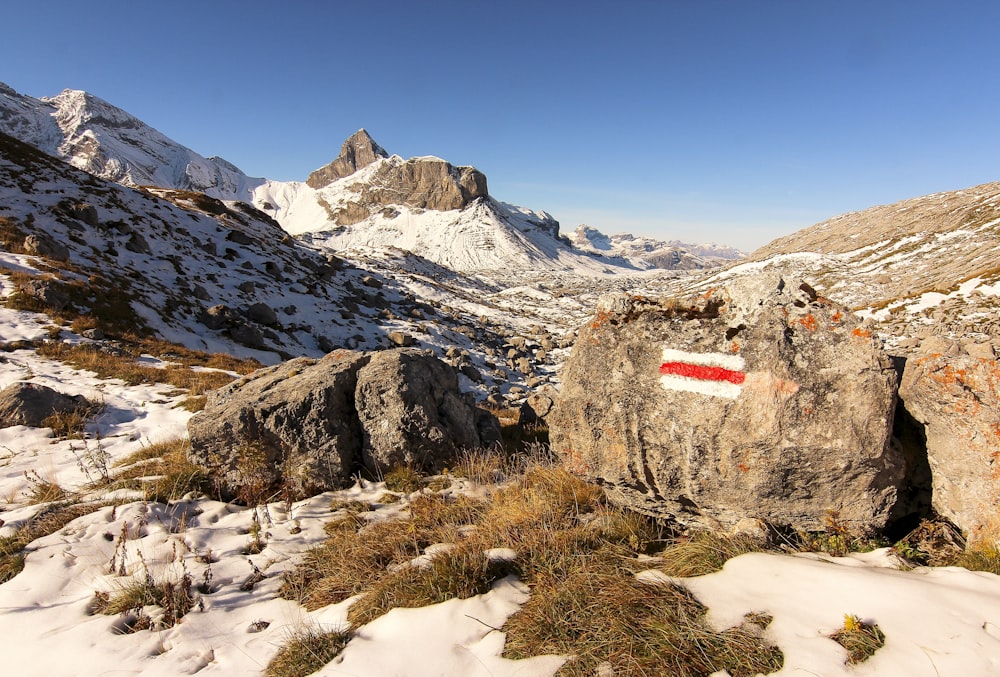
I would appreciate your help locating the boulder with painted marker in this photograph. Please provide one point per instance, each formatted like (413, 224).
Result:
(761, 400)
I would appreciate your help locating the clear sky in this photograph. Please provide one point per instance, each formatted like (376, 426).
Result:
(731, 121)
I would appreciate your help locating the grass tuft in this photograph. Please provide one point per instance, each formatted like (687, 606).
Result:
(161, 471)
(404, 480)
(306, 651)
(47, 521)
(860, 639)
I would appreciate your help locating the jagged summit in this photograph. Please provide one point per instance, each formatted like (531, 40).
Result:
(358, 151)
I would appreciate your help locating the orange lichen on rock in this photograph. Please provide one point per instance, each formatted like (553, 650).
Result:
(858, 332)
(809, 322)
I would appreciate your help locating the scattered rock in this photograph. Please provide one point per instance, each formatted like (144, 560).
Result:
(87, 213)
(309, 425)
(537, 406)
(764, 401)
(47, 292)
(43, 245)
(261, 313)
(137, 244)
(30, 404)
(217, 317)
(401, 339)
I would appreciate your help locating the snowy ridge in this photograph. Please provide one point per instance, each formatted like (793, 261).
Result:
(650, 253)
(99, 138)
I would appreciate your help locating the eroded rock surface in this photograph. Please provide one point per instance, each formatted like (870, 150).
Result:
(763, 400)
(957, 399)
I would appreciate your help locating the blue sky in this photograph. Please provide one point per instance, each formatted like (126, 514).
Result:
(704, 120)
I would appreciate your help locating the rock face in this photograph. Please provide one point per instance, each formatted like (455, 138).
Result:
(412, 413)
(360, 150)
(763, 400)
(957, 398)
(424, 183)
(30, 404)
(307, 426)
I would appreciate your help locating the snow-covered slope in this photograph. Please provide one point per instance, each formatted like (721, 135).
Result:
(99, 138)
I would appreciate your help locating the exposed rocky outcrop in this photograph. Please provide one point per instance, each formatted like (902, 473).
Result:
(764, 400)
(360, 150)
(424, 183)
(31, 403)
(307, 425)
(957, 399)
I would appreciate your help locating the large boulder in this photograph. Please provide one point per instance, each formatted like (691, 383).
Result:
(291, 426)
(30, 404)
(957, 399)
(306, 426)
(413, 414)
(763, 400)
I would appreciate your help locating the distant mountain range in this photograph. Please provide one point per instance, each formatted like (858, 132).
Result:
(364, 199)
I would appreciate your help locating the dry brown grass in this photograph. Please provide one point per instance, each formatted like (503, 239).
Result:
(305, 651)
(860, 639)
(122, 365)
(161, 471)
(577, 554)
(49, 520)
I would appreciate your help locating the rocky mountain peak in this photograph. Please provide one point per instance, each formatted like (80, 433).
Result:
(358, 151)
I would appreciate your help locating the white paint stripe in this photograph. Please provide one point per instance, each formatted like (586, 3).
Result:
(731, 362)
(694, 385)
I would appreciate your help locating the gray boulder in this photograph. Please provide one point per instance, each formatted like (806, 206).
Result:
(261, 313)
(30, 404)
(290, 426)
(45, 246)
(413, 414)
(957, 399)
(307, 426)
(763, 400)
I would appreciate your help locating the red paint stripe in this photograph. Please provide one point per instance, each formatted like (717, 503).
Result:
(702, 372)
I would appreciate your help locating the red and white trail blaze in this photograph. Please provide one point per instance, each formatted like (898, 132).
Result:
(715, 374)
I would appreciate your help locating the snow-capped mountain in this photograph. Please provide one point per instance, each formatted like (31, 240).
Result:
(97, 137)
(649, 252)
(365, 200)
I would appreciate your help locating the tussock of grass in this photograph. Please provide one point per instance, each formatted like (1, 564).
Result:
(860, 639)
(176, 598)
(306, 651)
(456, 574)
(600, 614)
(404, 480)
(161, 471)
(48, 521)
(704, 553)
(985, 558)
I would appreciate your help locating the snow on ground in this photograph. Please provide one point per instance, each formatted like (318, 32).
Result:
(936, 621)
